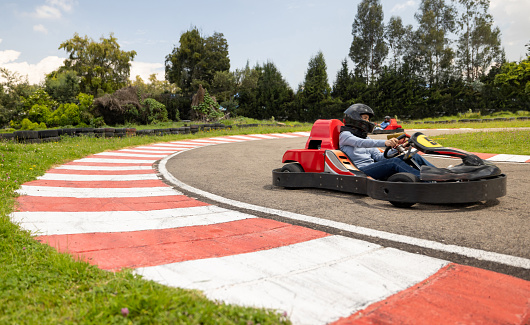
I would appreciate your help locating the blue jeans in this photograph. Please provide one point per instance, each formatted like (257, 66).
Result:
(385, 168)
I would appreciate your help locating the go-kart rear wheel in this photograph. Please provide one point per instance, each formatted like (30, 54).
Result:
(406, 178)
(292, 168)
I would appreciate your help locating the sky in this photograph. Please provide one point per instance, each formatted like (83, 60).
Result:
(286, 32)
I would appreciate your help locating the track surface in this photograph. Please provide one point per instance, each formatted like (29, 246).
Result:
(112, 210)
(242, 172)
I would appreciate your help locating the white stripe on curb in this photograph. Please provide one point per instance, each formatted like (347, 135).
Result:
(82, 167)
(510, 158)
(62, 223)
(49, 191)
(83, 178)
(110, 160)
(315, 282)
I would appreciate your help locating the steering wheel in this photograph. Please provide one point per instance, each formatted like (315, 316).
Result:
(400, 149)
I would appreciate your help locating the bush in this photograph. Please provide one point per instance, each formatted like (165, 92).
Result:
(28, 125)
(153, 111)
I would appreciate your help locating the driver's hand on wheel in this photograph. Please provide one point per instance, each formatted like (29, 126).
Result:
(391, 142)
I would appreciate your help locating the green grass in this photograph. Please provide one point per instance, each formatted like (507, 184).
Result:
(40, 285)
(471, 125)
(516, 142)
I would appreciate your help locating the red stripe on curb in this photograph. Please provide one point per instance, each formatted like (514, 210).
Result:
(112, 251)
(98, 184)
(123, 157)
(69, 204)
(484, 155)
(457, 294)
(117, 164)
(101, 172)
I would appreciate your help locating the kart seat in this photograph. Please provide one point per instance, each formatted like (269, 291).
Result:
(324, 135)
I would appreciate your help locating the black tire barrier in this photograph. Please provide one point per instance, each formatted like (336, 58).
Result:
(26, 135)
(87, 132)
(120, 133)
(7, 136)
(145, 132)
(67, 131)
(43, 134)
(109, 132)
(130, 132)
(99, 132)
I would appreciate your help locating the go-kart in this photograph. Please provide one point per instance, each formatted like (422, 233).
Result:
(322, 165)
(393, 127)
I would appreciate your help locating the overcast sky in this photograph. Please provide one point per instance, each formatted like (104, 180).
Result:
(285, 32)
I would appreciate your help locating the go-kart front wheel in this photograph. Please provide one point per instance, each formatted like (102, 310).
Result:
(292, 168)
(404, 178)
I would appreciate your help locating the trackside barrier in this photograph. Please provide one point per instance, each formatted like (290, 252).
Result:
(54, 135)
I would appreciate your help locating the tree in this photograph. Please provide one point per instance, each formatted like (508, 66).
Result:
(398, 38)
(514, 82)
(368, 49)
(247, 84)
(479, 44)
(343, 83)
(13, 90)
(62, 86)
(273, 93)
(197, 60)
(102, 67)
(434, 53)
(316, 88)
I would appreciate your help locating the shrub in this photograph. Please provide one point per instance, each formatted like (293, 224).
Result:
(28, 125)
(153, 111)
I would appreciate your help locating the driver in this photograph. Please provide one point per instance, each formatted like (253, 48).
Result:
(383, 124)
(363, 151)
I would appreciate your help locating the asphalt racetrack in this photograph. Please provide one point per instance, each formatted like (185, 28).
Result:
(242, 172)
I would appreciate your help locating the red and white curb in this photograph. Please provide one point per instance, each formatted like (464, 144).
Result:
(112, 210)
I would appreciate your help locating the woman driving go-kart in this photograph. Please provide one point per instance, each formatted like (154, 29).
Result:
(340, 156)
(362, 150)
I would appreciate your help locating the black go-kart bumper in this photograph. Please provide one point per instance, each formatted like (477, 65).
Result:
(416, 192)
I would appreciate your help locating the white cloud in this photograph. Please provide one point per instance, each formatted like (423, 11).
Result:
(40, 28)
(53, 9)
(47, 12)
(8, 56)
(400, 6)
(145, 69)
(65, 5)
(34, 72)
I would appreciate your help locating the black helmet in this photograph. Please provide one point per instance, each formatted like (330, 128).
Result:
(352, 117)
(387, 118)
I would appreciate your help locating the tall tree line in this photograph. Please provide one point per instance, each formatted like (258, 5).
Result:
(453, 61)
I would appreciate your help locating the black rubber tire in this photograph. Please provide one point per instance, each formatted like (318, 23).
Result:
(292, 168)
(26, 135)
(7, 136)
(48, 133)
(404, 178)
